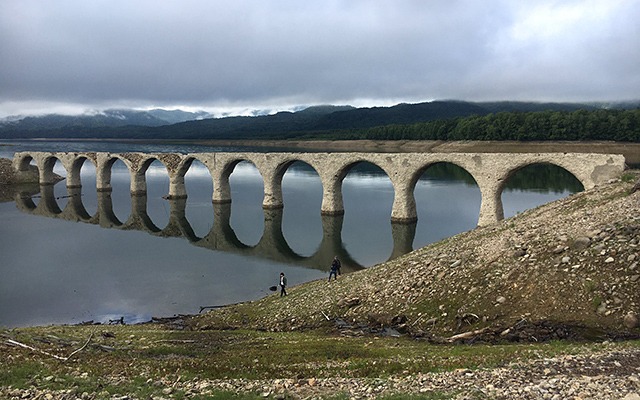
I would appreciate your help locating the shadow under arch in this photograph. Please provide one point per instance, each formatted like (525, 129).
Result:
(539, 183)
(301, 191)
(448, 201)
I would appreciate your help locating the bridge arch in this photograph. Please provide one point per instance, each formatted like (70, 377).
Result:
(368, 192)
(114, 194)
(584, 179)
(74, 177)
(198, 187)
(301, 191)
(46, 168)
(248, 185)
(540, 183)
(104, 170)
(332, 175)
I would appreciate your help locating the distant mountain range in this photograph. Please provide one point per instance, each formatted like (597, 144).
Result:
(106, 118)
(178, 124)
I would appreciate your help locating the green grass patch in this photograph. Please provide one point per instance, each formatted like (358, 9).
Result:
(145, 355)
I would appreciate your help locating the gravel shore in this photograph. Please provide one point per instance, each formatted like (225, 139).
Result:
(603, 375)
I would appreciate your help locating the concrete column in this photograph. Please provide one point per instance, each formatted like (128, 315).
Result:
(45, 169)
(272, 189)
(138, 185)
(491, 210)
(331, 193)
(103, 173)
(73, 164)
(177, 190)
(404, 203)
(221, 187)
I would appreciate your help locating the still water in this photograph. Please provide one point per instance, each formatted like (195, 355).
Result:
(191, 253)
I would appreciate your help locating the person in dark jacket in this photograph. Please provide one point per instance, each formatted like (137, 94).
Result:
(335, 268)
(283, 284)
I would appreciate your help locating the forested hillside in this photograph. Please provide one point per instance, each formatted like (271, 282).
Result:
(437, 120)
(616, 125)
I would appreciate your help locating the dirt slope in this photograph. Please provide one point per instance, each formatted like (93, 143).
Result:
(566, 269)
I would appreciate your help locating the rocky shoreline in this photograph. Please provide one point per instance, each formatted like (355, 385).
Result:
(602, 375)
(565, 270)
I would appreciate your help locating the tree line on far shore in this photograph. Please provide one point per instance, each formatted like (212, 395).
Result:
(425, 121)
(580, 125)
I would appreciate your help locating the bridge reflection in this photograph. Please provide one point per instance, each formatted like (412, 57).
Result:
(221, 237)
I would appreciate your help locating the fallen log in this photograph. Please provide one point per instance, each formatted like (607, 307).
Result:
(466, 335)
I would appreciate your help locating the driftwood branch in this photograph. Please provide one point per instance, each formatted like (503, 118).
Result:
(16, 343)
(202, 308)
(466, 335)
(81, 348)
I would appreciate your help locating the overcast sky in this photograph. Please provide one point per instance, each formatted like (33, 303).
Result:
(70, 56)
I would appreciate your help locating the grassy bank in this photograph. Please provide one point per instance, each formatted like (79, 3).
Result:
(151, 360)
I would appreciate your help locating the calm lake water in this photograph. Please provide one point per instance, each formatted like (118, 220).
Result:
(56, 271)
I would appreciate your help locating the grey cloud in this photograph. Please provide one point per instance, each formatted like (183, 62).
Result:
(264, 53)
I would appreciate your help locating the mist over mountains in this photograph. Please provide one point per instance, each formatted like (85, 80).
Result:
(307, 122)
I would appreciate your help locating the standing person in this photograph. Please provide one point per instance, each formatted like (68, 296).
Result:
(335, 268)
(283, 284)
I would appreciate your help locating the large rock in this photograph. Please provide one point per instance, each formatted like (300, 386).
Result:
(8, 175)
(631, 320)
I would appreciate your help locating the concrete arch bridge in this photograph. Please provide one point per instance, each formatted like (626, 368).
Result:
(490, 171)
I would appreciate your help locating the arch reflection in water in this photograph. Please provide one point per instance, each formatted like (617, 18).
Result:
(272, 244)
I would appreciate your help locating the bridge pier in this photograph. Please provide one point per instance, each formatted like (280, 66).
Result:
(332, 192)
(138, 186)
(272, 189)
(45, 170)
(491, 209)
(221, 187)
(177, 189)
(103, 173)
(404, 203)
(72, 165)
